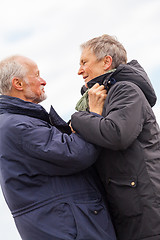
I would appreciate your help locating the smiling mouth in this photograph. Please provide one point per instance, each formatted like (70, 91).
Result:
(42, 89)
(85, 78)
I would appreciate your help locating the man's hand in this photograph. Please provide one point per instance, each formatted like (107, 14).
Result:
(71, 128)
(97, 95)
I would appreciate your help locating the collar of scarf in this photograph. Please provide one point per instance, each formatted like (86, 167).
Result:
(105, 79)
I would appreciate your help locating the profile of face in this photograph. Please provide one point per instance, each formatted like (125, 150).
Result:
(90, 67)
(33, 85)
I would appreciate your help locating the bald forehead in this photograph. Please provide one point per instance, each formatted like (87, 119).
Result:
(24, 60)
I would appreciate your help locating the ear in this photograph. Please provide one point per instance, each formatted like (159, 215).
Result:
(17, 83)
(107, 63)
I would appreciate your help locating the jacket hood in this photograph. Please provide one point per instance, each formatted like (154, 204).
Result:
(130, 72)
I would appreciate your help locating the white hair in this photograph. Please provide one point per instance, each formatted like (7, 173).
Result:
(10, 68)
(107, 45)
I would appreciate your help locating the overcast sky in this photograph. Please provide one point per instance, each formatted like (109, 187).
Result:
(50, 32)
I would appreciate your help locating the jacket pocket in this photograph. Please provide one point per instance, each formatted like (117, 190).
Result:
(123, 197)
(92, 221)
(51, 221)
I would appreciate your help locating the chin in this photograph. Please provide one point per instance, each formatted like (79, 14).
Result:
(42, 98)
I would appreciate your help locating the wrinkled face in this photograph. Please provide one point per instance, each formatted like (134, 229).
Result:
(90, 67)
(34, 84)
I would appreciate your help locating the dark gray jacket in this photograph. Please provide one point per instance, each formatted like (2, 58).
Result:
(129, 165)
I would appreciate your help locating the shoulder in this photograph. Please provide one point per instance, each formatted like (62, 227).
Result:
(18, 121)
(125, 89)
(125, 96)
(125, 86)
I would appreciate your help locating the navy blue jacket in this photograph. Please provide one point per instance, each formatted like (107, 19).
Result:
(43, 178)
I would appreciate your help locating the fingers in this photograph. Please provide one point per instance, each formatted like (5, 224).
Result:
(97, 86)
(98, 90)
(97, 95)
(71, 128)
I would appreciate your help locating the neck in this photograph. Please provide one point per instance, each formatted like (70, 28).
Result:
(18, 94)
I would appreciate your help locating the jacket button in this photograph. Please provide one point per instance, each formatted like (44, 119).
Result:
(132, 184)
(95, 212)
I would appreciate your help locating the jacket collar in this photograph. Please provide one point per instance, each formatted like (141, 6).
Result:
(15, 105)
(130, 72)
(18, 106)
(104, 79)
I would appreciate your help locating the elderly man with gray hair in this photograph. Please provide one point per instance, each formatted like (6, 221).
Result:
(46, 176)
(126, 128)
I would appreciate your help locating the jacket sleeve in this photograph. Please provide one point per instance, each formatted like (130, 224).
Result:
(123, 119)
(51, 152)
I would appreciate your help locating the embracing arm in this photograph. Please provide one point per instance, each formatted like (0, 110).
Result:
(122, 123)
(51, 152)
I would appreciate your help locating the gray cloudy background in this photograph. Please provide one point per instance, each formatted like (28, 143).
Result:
(50, 32)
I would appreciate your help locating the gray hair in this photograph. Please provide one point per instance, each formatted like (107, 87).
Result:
(10, 68)
(107, 45)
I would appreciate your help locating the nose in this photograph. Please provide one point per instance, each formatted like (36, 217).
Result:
(81, 70)
(43, 82)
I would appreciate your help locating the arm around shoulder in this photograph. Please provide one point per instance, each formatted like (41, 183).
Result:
(64, 154)
(122, 123)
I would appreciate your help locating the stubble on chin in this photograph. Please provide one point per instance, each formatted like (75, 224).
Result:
(32, 97)
(43, 97)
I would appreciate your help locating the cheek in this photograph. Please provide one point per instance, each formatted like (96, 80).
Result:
(99, 70)
(93, 70)
(36, 89)
(90, 69)
(38, 85)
